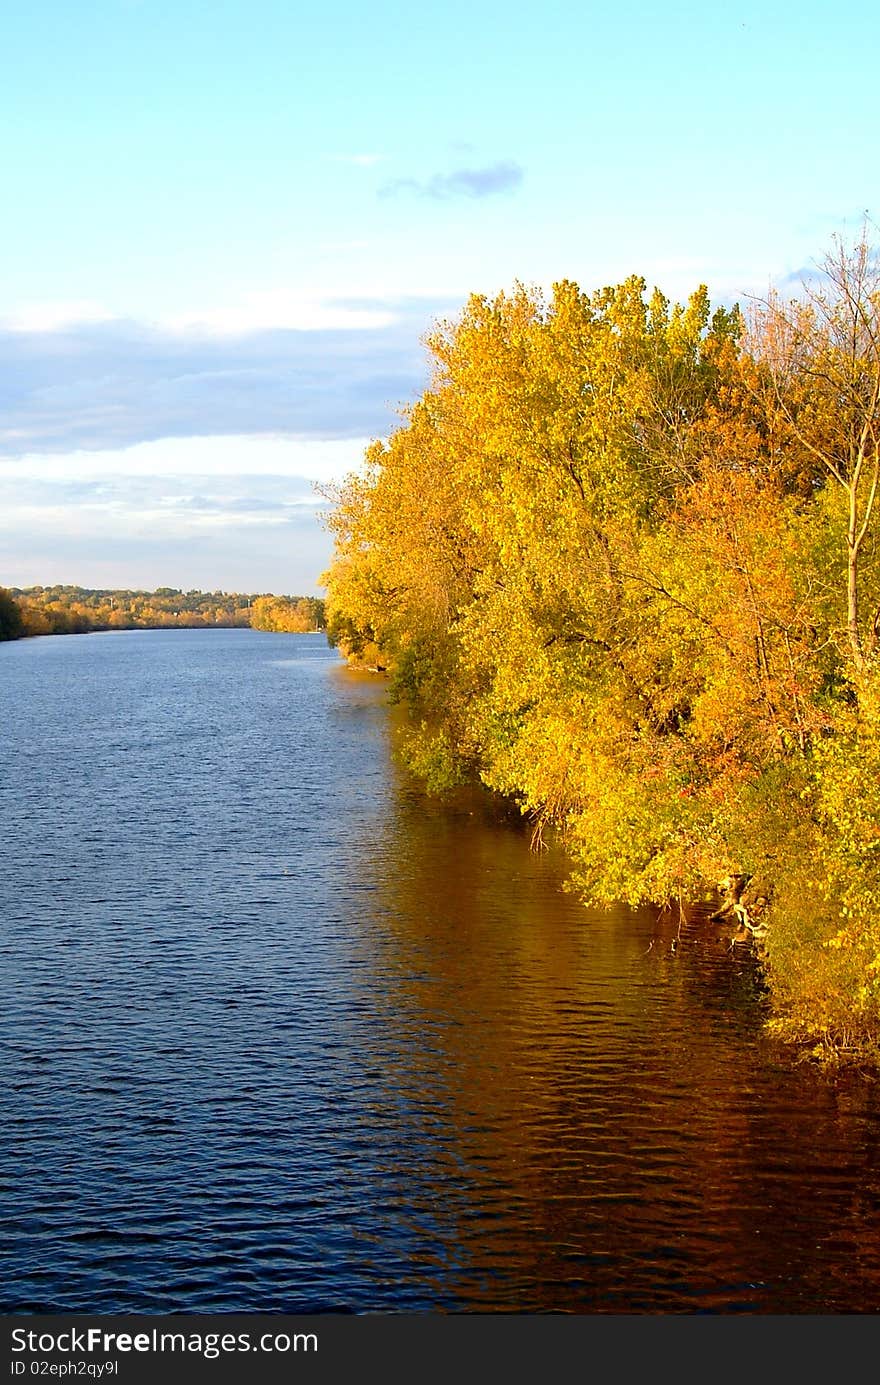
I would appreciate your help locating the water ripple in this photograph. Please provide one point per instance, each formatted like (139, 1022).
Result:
(281, 1034)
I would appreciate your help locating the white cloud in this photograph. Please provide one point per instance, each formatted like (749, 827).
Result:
(278, 309)
(113, 518)
(243, 455)
(54, 317)
(262, 312)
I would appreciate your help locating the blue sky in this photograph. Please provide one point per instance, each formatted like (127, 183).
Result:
(226, 227)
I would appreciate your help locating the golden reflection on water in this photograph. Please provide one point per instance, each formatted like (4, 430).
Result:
(585, 1099)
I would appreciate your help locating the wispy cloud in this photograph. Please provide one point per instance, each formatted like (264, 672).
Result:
(82, 546)
(490, 181)
(243, 532)
(231, 460)
(52, 317)
(252, 312)
(139, 504)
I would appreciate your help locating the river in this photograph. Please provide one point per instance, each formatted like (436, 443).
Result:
(282, 1034)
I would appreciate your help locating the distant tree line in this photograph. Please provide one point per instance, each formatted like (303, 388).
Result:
(71, 610)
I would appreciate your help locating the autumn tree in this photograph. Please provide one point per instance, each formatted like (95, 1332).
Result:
(820, 359)
(603, 557)
(297, 615)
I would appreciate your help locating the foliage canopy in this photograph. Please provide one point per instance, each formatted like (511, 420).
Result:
(621, 562)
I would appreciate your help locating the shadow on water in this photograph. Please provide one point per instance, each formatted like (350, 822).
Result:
(617, 1132)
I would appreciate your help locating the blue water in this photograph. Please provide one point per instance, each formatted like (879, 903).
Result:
(282, 1034)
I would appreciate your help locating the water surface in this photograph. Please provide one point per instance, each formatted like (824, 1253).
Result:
(281, 1034)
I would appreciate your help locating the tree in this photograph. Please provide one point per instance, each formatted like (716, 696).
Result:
(10, 616)
(821, 374)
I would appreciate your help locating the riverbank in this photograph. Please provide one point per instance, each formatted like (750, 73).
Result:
(620, 562)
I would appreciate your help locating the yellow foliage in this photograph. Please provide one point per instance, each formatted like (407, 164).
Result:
(610, 579)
